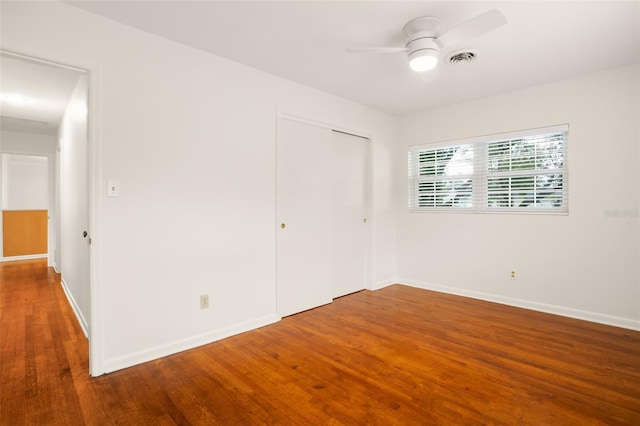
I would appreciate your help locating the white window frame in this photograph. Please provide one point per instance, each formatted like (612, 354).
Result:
(481, 174)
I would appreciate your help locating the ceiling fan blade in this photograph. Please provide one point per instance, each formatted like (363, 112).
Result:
(472, 28)
(377, 49)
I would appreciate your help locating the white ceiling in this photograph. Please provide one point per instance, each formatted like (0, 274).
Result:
(306, 41)
(47, 88)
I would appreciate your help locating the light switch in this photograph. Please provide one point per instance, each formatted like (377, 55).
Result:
(113, 189)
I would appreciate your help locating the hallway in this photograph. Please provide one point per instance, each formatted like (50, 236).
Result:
(44, 353)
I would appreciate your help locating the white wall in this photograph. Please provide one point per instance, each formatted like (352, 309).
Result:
(73, 248)
(191, 138)
(32, 144)
(25, 182)
(584, 264)
(26, 143)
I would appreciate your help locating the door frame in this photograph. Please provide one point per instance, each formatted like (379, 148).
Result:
(50, 205)
(94, 77)
(368, 187)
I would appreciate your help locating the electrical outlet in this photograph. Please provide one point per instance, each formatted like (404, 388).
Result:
(513, 274)
(204, 301)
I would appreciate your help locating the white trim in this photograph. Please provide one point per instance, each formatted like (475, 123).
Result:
(469, 210)
(93, 71)
(368, 211)
(76, 309)
(94, 154)
(135, 358)
(558, 128)
(384, 283)
(27, 152)
(24, 257)
(51, 173)
(351, 131)
(275, 205)
(596, 317)
(40, 61)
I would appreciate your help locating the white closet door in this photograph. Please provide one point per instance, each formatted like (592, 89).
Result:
(348, 205)
(304, 234)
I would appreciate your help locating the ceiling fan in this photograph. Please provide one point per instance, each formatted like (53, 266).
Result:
(424, 41)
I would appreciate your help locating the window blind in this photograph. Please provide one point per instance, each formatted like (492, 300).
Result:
(516, 172)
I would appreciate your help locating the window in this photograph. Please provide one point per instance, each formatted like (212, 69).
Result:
(516, 172)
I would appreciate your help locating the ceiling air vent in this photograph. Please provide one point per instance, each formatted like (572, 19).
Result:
(461, 57)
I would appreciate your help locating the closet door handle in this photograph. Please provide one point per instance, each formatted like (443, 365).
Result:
(84, 234)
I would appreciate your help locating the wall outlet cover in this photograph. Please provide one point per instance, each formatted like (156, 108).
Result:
(113, 188)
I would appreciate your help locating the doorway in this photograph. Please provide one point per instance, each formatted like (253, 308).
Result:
(25, 206)
(44, 112)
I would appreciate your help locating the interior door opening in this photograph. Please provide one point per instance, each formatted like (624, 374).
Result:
(25, 206)
(45, 112)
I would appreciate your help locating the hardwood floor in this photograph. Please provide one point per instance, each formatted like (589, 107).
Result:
(395, 356)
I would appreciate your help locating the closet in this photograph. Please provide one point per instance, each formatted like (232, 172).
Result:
(321, 215)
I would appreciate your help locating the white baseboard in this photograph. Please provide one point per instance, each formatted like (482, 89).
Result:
(185, 344)
(385, 283)
(527, 304)
(25, 257)
(76, 309)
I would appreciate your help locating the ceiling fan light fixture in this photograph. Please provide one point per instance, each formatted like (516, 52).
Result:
(423, 60)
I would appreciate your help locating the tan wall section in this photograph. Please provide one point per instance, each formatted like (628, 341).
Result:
(24, 232)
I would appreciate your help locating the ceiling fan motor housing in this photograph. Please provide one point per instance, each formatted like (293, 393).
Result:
(422, 43)
(423, 53)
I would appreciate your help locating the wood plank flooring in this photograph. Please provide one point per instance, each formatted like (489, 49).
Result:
(397, 356)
